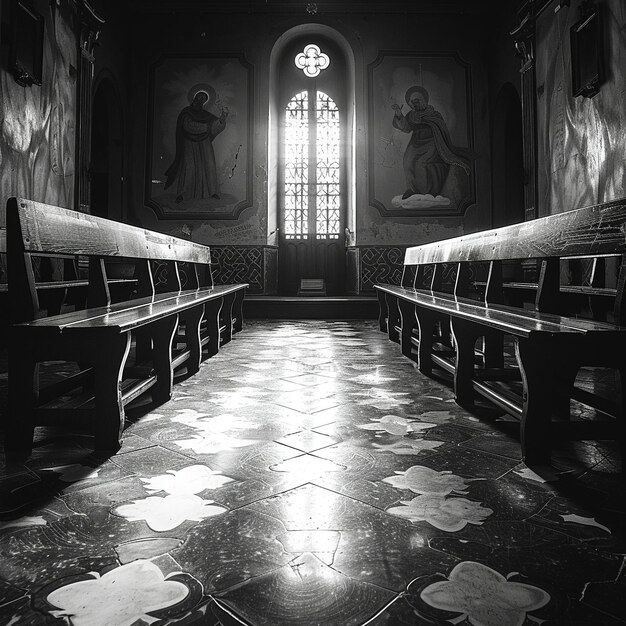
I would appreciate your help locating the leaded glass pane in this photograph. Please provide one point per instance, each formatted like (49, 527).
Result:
(312, 60)
(297, 167)
(328, 220)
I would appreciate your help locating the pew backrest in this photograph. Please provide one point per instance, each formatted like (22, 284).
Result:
(589, 231)
(594, 232)
(39, 230)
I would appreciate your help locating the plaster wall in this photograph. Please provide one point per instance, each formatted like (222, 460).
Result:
(255, 35)
(37, 122)
(581, 140)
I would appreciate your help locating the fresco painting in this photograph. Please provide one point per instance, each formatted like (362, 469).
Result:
(420, 149)
(199, 133)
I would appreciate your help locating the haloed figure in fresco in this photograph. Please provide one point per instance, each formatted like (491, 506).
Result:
(193, 171)
(430, 152)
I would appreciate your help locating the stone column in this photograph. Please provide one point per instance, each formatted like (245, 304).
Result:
(90, 25)
(524, 37)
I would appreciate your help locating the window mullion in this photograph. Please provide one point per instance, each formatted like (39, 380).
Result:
(312, 162)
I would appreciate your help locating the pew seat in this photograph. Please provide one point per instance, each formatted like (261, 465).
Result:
(461, 327)
(167, 324)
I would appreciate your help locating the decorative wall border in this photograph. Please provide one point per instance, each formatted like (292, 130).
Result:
(255, 265)
(379, 264)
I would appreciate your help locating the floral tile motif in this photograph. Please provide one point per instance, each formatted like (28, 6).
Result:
(420, 479)
(181, 504)
(448, 514)
(188, 480)
(439, 417)
(123, 595)
(382, 399)
(396, 425)
(432, 505)
(163, 514)
(483, 596)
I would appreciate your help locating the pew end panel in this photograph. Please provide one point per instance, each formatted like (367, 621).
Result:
(571, 317)
(124, 344)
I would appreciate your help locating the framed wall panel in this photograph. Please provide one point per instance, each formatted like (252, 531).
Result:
(199, 142)
(421, 160)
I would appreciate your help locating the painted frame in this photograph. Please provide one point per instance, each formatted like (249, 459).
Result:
(199, 149)
(586, 43)
(26, 50)
(421, 164)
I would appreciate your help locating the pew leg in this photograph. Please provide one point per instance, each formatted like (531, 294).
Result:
(493, 350)
(212, 317)
(22, 401)
(238, 311)
(621, 416)
(426, 324)
(163, 333)
(382, 311)
(465, 335)
(227, 318)
(193, 320)
(393, 317)
(537, 365)
(108, 372)
(407, 324)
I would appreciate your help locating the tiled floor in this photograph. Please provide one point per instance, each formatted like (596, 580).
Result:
(309, 475)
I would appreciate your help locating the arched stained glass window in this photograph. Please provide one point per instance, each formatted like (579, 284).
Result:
(312, 167)
(327, 167)
(297, 167)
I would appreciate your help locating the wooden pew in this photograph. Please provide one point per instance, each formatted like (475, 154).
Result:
(441, 327)
(58, 287)
(4, 289)
(99, 337)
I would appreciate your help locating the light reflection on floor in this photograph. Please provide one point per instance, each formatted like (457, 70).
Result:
(308, 474)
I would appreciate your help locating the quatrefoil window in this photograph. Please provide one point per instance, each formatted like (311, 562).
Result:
(312, 60)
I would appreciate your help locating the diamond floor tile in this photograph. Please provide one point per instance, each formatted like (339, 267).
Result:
(308, 474)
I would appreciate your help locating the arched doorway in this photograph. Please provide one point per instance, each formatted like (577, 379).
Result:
(507, 159)
(311, 189)
(312, 170)
(106, 164)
